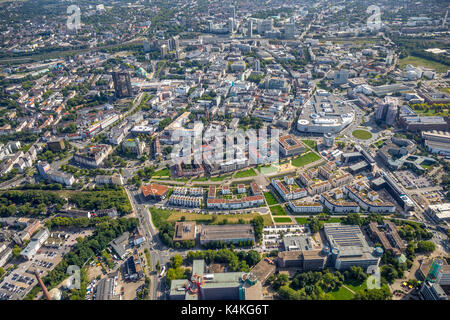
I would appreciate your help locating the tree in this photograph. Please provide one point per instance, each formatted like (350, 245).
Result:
(176, 261)
(16, 251)
(425, 247)
(253, 257)
(2, 272)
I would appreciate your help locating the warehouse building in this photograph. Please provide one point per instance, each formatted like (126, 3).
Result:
(231, 233)
(349, 247)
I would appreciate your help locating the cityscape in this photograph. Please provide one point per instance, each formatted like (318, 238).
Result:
(224, 150)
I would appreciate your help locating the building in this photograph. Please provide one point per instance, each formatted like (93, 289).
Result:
(390, 238)
(230, 204)
(120, 245)
(304, 260)
(325, 113)
(56, 145)
(439, 212)
(337, 207)
(437, 142)
(185, 231)
(216, 286)
(290, 145)
(185, 201)
(122, 84)
(305, 207)
(115, 179)
(93, 156)
(228, 233)
(35, 244)
(154, 191)
(288, 191)
(366, 203)
(433, 291)
(349, 247)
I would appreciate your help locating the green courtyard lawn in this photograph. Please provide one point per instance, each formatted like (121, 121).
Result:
(278, 210)
(245, 174)
(282, 220)
(270, 198)
(362, 134)
(305, 159)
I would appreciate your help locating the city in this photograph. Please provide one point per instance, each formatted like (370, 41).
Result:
(224, 150)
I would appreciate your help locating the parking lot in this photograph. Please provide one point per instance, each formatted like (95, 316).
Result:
(22, 279)
(411, 180)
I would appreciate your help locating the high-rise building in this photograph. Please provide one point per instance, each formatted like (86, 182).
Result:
(230, 25)
(250, 28)
(164, 50)
(122, 84)
(257, 65)
(173, 43)
(265, 26)
(289, 30)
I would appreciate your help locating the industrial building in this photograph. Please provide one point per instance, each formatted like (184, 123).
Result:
(185, 231)
(304, 260)
(437, 141)
(231, 233)
(216, 286)
(349, 247)
(35, 244)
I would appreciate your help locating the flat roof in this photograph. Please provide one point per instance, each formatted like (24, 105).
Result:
(226, 232)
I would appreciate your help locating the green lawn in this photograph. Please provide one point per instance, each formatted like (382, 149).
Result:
(220, 178)
(310, 143)
(282, 219)
(270, 198)
(305, 159)
(362, 134)
(416, 61)
(267, 169)
(278, 211)
(341, 294)
(301, 220)
(162, 173)
(245, 174)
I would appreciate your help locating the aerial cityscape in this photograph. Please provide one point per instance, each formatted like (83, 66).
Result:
(224, 150)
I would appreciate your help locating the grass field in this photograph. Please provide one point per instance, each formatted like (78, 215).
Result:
(267, 169)
(416, 61)
(245, 174)
(220, 178)
(270, 198)
(162, 173)
(282, 220)
(305, 159)
(278, 211)
(342, 294)
(310, 143)
(362, 134)
(159, 216)
(301, 220)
